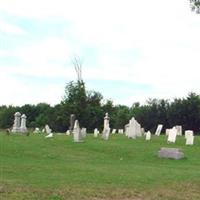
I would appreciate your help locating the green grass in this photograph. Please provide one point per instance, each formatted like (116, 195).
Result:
(32, 167)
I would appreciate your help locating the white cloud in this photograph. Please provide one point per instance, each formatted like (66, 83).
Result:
(165, 34)
(10, 28)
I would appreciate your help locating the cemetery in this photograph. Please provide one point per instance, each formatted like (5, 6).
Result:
(130, 130)
(99, 165)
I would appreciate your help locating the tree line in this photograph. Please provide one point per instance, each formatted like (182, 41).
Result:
(90, 108)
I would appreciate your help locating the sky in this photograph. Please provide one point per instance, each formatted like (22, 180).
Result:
(130, 50)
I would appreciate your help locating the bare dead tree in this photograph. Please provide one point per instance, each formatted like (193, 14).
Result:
(78, 67)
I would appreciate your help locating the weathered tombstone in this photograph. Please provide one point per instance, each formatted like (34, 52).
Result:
(23, 128)
(189, 139)
(106, 129)
(159, 129)
(43, 130)
(179, 130)
(72, 121)
(131, 129)
(47, 129)
(148, 135)
(17, 124)
(138, 129)
(188, 133)
(126, 127)
(96, 132)
(167, 131)
(173, 153)
(83, 132)
(37, 130)
(77, 132)
(172, 135)
(121, 131)
(50, 135)
(114, 131)
(68, 132)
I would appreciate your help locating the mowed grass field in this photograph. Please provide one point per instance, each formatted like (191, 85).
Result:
(33, 167)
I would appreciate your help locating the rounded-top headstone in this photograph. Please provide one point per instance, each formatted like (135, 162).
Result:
(23, 116)
(17, 114)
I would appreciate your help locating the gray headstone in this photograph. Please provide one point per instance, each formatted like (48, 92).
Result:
(173, 153)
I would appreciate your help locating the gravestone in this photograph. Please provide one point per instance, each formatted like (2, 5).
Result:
(172, 135)
(83, 132)
(23, 128)
(167, 131)
(179, 130)
(106, 129)
(189, 139)
(71, 122)
(121, 131)
(68, 132)
(173, 153)
(159, 129)
(37, 130)
(114, 131)
(77, 132)
(96, 132)
(47, 129)
(148, 135)
(17, 123)
(188, 133)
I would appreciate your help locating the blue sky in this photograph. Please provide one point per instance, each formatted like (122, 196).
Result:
(131, 50)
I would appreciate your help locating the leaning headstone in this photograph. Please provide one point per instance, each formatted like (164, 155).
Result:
(77, 132)
(23, 128)
(173, 153)
(159, 129)
(96, 132)
(50, 135)
(148, 135)
(189, 140)
(172, 135)
(17, 123)
(106, 129)
(188, 133)
(83, 132)
(179, 130)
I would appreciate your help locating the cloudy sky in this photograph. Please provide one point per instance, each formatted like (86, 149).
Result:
(131, 50)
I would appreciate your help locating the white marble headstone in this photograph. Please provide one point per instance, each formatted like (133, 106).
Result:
(159, 129)
(172, 135)
(148, 135)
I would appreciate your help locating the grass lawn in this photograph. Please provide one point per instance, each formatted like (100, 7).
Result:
(33, 167)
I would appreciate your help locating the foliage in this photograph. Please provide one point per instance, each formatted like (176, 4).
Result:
(90, 108)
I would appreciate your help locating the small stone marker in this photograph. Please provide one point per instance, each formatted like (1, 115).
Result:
(37, 130)
(114, 131)
(68, 132)
(173, 153)
(148, 135)
(121, 131)
(96, 132)
(179, 129)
